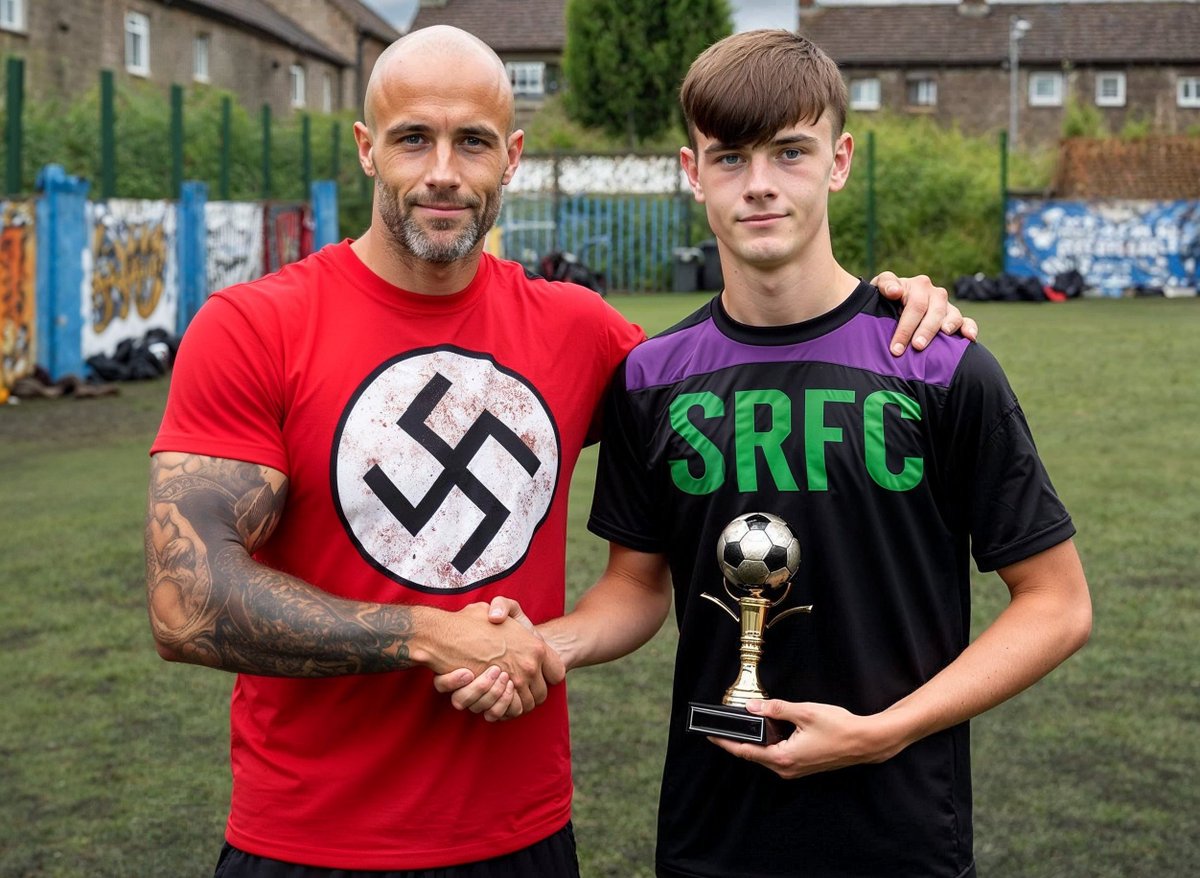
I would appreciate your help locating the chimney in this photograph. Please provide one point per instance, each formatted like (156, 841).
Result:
(973, 8)
(807, 8)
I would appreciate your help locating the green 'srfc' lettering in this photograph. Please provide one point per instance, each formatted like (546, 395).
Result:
(817, 435)
(876, 445)
(713, 474)
(747, 438)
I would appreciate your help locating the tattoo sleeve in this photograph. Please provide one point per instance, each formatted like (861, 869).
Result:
(211, 603)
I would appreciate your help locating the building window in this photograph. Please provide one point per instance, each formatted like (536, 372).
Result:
(12, 14)
(1110, 89)
(922, 92)
(296, 77)
(864, 94)
(1188, 91)
(137, 43)
(528, 78)
(200, 58)
(1045, 89)
(327, 93)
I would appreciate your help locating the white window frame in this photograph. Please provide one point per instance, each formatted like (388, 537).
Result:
(1117, 96)
(528, 78)
(200, 56)
(865, 93)
(327, 92)
(12, 15)
(1053, 96)
(137, 43)
(1187, 91)
(297, 85)
(926, 91)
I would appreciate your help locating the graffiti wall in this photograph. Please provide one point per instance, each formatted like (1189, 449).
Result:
(1115, 245)
(235, 242)
(18, 292)
(133, 275)
(288, 235)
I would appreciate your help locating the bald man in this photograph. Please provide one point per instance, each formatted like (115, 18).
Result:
(361, 481)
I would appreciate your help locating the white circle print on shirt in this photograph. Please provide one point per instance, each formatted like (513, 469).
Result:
(444, 466)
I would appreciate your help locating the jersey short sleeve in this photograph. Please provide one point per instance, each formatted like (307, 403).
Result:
(226, 398)
(623, 502)
(1002, 484)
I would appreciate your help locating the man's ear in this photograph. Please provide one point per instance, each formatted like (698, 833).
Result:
(687, 158)
(362, 137)
(843, 154)
(515, 145)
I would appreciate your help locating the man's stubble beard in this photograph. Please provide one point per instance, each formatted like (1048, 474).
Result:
(413, 240)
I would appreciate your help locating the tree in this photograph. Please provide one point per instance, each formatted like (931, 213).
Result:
(625, 60)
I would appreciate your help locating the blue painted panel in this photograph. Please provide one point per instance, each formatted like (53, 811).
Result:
(323, 194)
(191, 245)
(1113, 244)
(62, 242)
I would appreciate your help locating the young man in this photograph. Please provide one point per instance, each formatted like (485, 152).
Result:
(358, 452)
(780, 396)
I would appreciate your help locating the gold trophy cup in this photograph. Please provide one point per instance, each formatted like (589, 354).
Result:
(758, 555)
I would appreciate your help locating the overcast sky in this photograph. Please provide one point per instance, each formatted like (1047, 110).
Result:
(397, 12)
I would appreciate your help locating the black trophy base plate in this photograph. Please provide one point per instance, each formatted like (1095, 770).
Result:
(735, 724)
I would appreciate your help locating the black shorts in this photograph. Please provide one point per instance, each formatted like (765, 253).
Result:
(552, 857)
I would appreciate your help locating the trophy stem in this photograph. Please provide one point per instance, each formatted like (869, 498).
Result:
(753, 619)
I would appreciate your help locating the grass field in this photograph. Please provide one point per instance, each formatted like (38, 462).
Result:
(114, 763)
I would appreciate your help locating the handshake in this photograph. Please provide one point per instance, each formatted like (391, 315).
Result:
(496, 662)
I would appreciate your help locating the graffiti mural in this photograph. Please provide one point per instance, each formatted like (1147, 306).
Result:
(133, 272)
(18, 295)
(1115, 245)
(235, 242)
(288, 234)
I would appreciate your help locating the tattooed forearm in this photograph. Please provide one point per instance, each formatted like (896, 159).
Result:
(210, 603)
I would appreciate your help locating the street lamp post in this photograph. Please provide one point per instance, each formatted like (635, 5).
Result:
(1017, 28)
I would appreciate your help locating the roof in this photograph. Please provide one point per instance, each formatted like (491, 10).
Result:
(942, 36)
(367, 20)
(506, 26)
(259, 16)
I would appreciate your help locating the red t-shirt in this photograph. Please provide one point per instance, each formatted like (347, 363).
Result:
(428, 442)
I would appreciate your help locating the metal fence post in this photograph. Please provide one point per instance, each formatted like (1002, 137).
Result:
(871, 216)
(335, 162)
(226, 144)
(176, 140)
(306, 152)
(266, 151)
(15, 85)
(108, 139)
(1003, 195)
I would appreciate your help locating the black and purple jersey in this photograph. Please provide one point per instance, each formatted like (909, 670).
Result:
(892, 472)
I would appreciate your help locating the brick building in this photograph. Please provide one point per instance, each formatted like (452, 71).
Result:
(1132, 60)
(264, 51)
(528, 35)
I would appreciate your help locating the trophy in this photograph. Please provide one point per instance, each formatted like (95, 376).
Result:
(758, 555)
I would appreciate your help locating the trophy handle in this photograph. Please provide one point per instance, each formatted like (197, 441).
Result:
(720, 603)
(786, 613)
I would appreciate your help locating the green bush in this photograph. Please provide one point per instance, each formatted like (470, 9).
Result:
(1083, 120)
(68, 134)
(937, 198)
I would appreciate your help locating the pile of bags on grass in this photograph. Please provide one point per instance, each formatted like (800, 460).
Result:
(1012, 288)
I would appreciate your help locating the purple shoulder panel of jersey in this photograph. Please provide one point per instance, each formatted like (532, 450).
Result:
(860, 343)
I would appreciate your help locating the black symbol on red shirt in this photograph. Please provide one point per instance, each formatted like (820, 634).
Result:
(455, 473)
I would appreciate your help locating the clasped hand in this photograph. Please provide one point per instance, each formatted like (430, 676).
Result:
(504, 689)
(826, 738)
